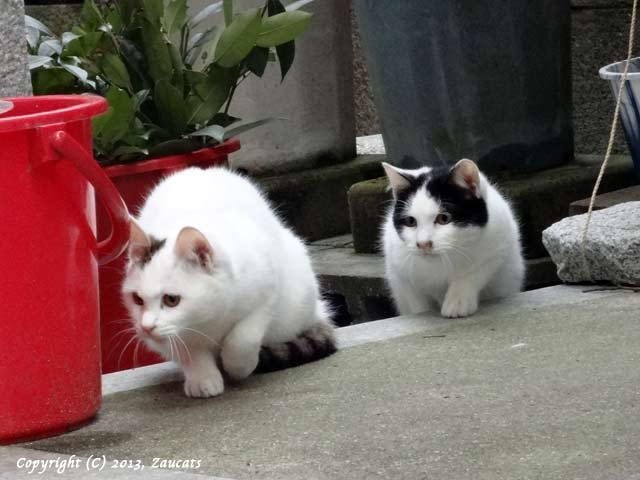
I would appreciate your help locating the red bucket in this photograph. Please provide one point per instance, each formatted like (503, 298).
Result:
(49, 331)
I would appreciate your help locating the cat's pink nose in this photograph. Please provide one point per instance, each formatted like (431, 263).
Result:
(148, 328)
(426, 246)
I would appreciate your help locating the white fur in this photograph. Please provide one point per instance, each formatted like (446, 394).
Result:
(261, 290)
(466, 264)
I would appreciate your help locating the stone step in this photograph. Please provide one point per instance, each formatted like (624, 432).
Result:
(543, 385)
(355, 282)
(606, 200)
(540, 198)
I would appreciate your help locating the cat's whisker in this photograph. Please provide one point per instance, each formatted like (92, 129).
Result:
(116, 341)
(172, 357)
(135, 353)
(185, 346)
(215, 344)
(125, 349)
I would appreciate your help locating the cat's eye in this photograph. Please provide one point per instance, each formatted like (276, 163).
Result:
(171, 300)
(443, 218)
(410, 222)
(137, 299)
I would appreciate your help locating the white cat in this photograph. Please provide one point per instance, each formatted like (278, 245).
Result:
(214, 275)
(450, 240)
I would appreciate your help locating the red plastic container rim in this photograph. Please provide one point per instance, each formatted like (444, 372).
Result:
(174, 161)
(33, 112)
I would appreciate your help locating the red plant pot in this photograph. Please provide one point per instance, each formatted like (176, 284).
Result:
(134, 182)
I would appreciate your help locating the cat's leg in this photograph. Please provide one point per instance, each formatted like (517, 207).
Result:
(407, 299)
(241, 347)
(202, 378)
(461, 298)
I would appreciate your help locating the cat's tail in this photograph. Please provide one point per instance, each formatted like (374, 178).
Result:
(312, 344)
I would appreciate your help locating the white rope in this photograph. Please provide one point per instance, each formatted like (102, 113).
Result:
(612, 136)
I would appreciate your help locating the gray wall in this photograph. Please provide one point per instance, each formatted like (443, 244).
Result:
(599, 37)
(13, 50)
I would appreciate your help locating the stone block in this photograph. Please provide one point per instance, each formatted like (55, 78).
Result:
(612, 248)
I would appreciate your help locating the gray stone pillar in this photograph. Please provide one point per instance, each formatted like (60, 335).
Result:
(315, 100)
(14, 70)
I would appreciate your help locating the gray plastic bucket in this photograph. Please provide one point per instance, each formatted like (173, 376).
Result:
(630, 104)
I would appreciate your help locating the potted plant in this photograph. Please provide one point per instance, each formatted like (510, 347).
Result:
(169, 83)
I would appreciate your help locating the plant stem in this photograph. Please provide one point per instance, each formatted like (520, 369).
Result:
(243, 76)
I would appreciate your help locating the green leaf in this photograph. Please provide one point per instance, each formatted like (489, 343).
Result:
(52, 80)
(213, 131)
(83, 46)
(156, 49)
(116, 122)
(199, 42)
(282, 28)
(80, 73)
(50, 47)
(286, 53)
(115, 20)
(227, 5)
(68, 37)
(257, 60)
(153, 11)
(33, 37)
(175, 147)
(31, 22)
(238, 38)
(298, 4)
(37, 61)
(90, 16)
(175, 16)
(136, 63)
(178, 67)
(208, 94)
(115, 71)
(274, 7)
(171, 107)
(205, 13)
(139, 98)
(223, 119)
(232, 132)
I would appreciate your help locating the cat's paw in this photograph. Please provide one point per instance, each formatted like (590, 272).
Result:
(204, 386)
(459, 303)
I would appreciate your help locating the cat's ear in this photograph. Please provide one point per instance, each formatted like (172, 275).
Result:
(193, 247)
(139, 242)
(397, 179)
(465, 174)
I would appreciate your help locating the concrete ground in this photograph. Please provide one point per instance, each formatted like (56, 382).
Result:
(544, 385)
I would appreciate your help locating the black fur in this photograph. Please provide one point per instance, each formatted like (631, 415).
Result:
(464, 207)
(150, 251)
(309, 346)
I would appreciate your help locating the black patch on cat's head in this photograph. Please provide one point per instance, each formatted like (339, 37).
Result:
(403, 197)
(150, 251)
(465, 208)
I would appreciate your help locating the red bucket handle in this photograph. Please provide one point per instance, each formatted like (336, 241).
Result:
(67, 147)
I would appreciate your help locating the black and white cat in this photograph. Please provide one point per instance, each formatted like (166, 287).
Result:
(216, 281)
(450, 240)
